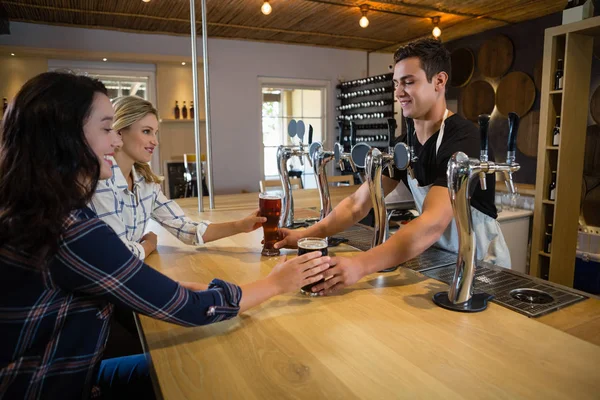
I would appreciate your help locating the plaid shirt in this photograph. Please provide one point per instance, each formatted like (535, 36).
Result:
(128, 211)
(55, 319)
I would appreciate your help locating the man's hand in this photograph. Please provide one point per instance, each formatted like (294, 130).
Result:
(345, 272)
(288, 238)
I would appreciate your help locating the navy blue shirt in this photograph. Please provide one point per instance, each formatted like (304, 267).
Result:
(55, 318)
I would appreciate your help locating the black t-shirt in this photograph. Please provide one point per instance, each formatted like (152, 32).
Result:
(459, 135)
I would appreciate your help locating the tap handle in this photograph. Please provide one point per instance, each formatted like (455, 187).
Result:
(310, 134)
(352, 133)
(513, 129)
(338, 149)
(292, 128)
(410, 132)
(401, 156)
(314, 148)
(341, 128)
(392, 125)
(484, 124)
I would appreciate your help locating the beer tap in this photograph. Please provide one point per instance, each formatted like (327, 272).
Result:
(410, 141)
(376, 161)
(338, 150)
(461, 172)
(284, 153)
(320, 158)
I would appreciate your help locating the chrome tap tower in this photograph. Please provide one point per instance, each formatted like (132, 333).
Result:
(284, 153)
(462, 171)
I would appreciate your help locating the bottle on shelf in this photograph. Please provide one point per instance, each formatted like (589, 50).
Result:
(548, 239)
(558, 76)
(552, 188)
(191, 109)
(4, 105)
(176, 111)
(184, 111)
(556, 132)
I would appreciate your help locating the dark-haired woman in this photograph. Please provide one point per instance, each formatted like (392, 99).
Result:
(59, 285)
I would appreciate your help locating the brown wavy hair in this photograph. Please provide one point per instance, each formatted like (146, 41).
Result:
(128, 111)
(432, 54)
(47, 168)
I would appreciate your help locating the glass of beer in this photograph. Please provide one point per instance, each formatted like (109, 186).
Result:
(270, 208)
(307, 245)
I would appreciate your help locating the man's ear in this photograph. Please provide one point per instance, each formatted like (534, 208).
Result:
(440, 80)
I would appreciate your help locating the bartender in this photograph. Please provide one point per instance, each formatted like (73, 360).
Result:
(421, 72)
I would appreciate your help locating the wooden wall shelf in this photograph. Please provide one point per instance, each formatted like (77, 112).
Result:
(573, 43)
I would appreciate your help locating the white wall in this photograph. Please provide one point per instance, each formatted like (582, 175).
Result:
(235, 67)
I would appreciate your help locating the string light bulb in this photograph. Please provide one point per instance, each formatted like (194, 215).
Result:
(146, 1)
(436, 32)
(364, 21)
(266, 8)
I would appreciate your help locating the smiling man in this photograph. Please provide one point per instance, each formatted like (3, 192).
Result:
(421, 72)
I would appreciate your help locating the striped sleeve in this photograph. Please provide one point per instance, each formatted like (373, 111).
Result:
(168, 213)
(122, 279)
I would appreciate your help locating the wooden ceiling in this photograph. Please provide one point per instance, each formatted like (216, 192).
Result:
(330, 23)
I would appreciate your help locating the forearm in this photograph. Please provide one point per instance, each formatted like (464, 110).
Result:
(409, 242)
(343, 216)
(218, 231)
(256, 293)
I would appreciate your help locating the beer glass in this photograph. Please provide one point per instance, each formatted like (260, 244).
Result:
(307, 245)
(270, 208)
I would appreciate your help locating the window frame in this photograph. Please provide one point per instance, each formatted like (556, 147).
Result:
(294, 83)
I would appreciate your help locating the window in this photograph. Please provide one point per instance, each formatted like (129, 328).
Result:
(125, 86)
(281, 104)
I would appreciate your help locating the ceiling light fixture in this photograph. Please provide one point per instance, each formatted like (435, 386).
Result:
(266, 8)
(104, 59)
(436, 32)
(12, 54)
(146, 1)
(183, 63)
(364, 21)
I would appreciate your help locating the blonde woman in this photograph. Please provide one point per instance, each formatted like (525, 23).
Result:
(133, 194)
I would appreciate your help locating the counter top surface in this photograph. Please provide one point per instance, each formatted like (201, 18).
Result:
(381, 338)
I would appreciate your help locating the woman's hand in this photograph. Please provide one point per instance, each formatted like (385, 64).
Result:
(251, 222)
(291, 275)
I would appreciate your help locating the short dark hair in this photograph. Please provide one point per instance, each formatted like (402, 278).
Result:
(434, 57)
(47, 168)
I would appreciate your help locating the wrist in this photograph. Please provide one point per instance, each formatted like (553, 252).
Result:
(237, 226)
(361, 263)
(274, 288)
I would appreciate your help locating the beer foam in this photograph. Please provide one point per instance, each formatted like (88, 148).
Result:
(270, 197)
(313, 244)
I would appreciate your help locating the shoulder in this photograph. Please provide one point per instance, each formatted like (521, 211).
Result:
(460, 128)
(82, 222)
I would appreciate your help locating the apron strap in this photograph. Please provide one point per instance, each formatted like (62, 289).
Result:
(441, 134)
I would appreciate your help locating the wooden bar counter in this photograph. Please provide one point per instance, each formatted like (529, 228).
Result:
(382, 338)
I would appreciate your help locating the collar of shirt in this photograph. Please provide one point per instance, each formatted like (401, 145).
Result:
(119, 179)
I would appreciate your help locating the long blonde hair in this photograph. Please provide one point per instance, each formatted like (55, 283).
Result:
(128, 111)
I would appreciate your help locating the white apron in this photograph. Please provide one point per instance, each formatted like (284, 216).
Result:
(490, 243)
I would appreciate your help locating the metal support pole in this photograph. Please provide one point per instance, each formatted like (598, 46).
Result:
(209, 164)
(196, 101)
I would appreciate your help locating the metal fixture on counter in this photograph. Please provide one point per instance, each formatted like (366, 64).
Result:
(284, 153)
(462, 170)
(320, 158)
(397, 156)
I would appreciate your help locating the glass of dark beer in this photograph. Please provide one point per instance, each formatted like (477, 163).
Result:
(307, 245)
(270, 208)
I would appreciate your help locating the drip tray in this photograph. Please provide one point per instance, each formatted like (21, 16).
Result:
(361, 236)
(524, 295)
